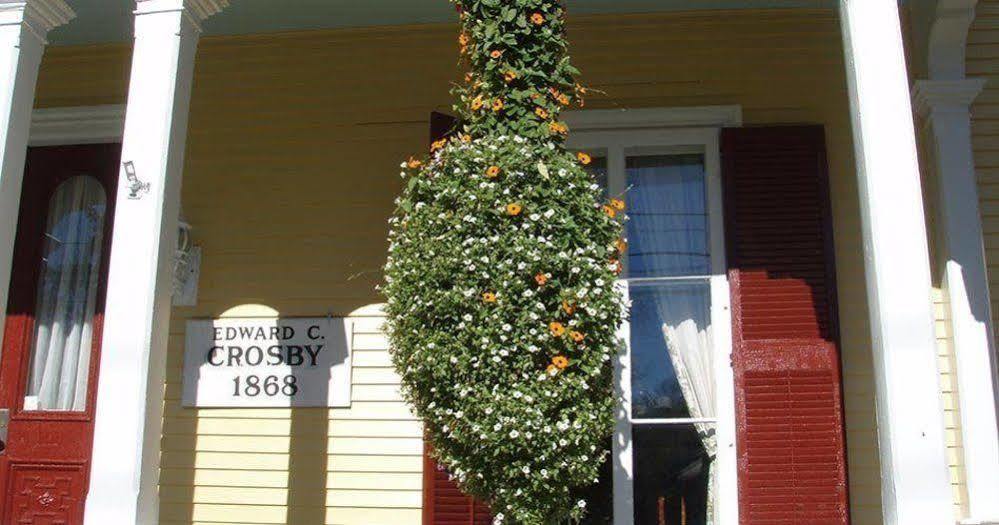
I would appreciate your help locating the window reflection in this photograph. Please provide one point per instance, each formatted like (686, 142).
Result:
(668, 217)
(656, 392)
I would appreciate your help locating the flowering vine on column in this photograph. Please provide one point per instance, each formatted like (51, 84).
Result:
(500, 279)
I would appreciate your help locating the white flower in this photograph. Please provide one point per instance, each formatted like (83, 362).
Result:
(514, 434)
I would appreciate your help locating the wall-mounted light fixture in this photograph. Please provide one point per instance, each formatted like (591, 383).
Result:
(186, 267)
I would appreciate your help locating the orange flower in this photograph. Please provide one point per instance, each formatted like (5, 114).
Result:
(584, 158)
(496, 54)
(513, 209)
(537, 19)
(622, 245)
(489, 297)
(568, 307)
(466, 138)
(463, 39)
(438, 145)
(541, 279)
(493, 172)
(510, 76)
(577, 336)
(552, 370)
(541, 112)
(556, 328)
(477, 103)
(498, 105)
(413, 163)
(564, 100)
(558, 128)
(618, 204)
(611, 212)
(560, 362)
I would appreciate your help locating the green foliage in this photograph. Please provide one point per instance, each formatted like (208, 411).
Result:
(500, 281)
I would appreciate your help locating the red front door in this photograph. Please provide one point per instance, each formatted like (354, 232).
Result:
(51, 346)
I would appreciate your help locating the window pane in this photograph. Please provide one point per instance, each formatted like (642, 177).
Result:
(672, 474)
(600, 496)
(598, 168)
(67, 297)
(667, 203)
(671, 333)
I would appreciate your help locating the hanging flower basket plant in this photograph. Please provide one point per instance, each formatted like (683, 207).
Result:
(503, 256)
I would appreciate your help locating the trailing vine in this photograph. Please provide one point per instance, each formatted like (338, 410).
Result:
(502, 308)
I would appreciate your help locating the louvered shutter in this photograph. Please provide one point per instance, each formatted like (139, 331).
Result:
(792, 464)
(443, 502)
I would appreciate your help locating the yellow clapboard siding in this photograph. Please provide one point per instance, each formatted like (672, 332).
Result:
(185, 479)
(240, 461)
(948, 389)
(292, 167)
(251, 515)
(368, 410)
(283, 445)
(284, 427)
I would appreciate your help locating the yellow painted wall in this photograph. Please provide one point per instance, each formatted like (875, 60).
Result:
(291, 170)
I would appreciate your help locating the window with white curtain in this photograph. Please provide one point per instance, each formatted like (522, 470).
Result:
(666, 463)
(67, 297)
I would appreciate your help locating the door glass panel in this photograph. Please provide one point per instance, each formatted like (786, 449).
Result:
(673, 472)
(668, 216)
(671, 352)
(66, 303)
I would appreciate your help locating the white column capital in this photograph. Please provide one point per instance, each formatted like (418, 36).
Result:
(196, 10)
(38, 16)
(946, 95)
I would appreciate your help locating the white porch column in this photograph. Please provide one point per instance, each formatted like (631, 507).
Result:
(946, 106)
(24, 25)
(124, 473)
(915, 481)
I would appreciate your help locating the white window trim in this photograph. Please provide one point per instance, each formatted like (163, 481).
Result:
(77, 125)
(615, 131)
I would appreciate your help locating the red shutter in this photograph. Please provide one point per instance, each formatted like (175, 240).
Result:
(443, 502)
(792, 460)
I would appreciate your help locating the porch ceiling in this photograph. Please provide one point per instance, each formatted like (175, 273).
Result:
(103, 21)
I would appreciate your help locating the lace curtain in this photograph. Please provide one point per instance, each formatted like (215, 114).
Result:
(67, 297)
(692, 355)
